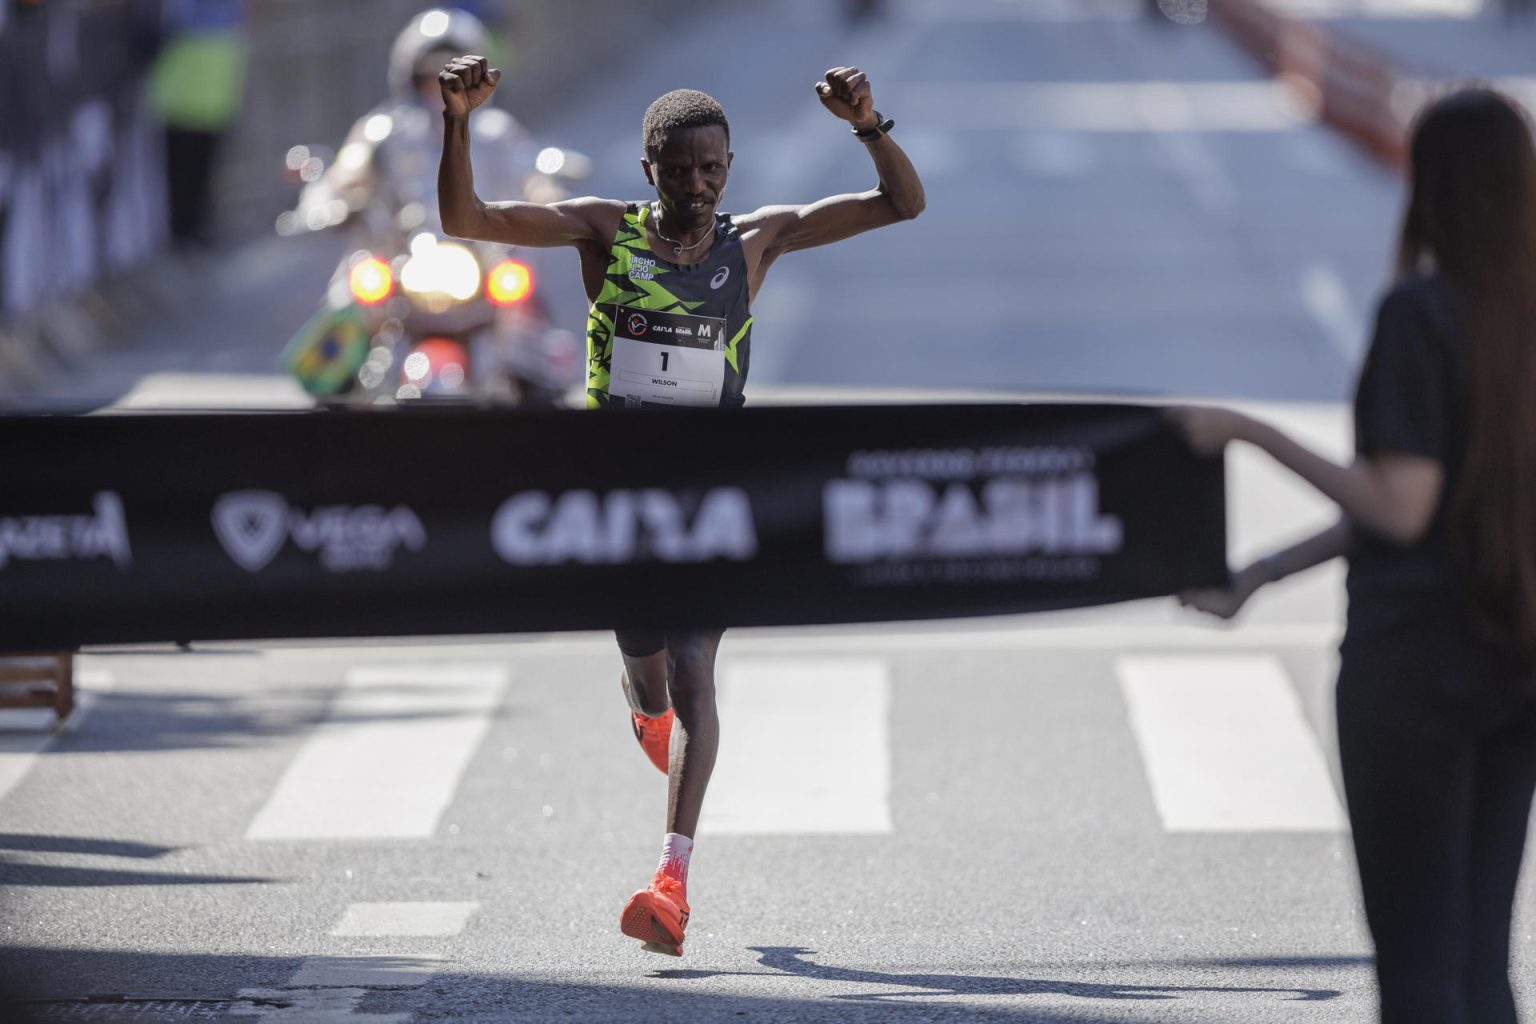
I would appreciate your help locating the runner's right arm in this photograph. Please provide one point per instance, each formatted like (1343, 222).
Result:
(466, 83)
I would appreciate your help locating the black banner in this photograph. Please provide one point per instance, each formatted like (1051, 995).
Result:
(429, 521)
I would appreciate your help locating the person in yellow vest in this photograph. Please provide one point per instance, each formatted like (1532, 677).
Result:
(196, 87)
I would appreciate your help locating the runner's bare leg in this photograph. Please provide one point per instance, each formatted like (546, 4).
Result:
(695, 731)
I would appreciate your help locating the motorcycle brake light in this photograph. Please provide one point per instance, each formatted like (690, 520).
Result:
(371, 281)
(509, 283)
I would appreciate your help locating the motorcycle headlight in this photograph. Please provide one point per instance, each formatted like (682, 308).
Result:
(509, 283)
(444, 269)
(369, 280)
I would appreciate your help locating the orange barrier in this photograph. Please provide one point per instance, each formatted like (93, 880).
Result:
(1354, 87)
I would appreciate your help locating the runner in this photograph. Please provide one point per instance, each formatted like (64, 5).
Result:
(671, 282)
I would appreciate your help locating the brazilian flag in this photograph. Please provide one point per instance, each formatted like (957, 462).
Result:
(329, 350)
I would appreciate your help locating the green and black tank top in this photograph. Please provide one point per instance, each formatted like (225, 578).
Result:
(660, 334)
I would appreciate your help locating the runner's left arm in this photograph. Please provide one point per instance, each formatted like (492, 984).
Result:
(846, 93)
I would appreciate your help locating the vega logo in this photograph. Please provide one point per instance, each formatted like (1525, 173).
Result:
(253, 526)
(62, 538)
(620, 527)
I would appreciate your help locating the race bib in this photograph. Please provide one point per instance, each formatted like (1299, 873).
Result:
(666, 358)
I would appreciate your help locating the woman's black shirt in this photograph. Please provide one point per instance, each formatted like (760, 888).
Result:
(1408, 402)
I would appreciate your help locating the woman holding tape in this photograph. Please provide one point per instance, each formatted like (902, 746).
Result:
(1436, 696)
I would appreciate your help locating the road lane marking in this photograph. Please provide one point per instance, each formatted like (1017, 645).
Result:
(805, 748)
(1452, 9)
(384, 971)
(386, 761)
(952, 12)
(1226, 746)
(311, 1006)
(1053, 154)
(27, 733)
(1326, 298)
(378, 920)
(1135, 106)
(215, 391)
(1194, 162)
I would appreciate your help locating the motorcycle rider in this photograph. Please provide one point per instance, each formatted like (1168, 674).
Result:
(386, 170)
(383, 186)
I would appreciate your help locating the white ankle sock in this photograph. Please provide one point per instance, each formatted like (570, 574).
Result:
(676, 851)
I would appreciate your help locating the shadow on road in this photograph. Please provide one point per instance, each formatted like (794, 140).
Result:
(15, 874)
(77, 844)
(793, 961)
(165, 721)
(73, 984)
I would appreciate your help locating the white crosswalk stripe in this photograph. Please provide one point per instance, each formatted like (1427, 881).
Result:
(330, 989)
(1225, 745)
(387, 760)
(806, 748)
(378, 920)
(27, 733)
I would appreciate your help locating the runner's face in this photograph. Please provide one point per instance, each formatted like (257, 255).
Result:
(689, 173)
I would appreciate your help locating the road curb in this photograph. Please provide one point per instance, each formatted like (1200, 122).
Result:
(1359, 90)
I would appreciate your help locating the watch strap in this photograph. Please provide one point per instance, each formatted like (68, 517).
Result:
(883, 125)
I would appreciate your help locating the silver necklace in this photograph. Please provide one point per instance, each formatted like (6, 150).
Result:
(678, 248)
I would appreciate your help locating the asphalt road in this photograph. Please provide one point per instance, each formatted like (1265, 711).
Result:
(1116, 815)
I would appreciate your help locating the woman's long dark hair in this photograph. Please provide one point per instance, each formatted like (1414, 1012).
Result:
(1472, 210)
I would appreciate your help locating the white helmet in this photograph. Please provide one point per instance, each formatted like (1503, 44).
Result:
(440, 29)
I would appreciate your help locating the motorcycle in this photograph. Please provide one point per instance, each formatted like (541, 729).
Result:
(415, 315)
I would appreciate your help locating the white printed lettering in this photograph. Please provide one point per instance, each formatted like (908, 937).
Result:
(61, 538)
(905, 518)
(533, 528)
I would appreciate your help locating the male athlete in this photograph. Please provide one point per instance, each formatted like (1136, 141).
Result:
(671, 282)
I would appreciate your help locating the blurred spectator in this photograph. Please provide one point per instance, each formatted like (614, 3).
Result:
(82, 190)
(196, 87)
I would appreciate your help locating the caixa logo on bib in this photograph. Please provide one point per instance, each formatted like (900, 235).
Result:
(620, 527)
(990, 514)
(69, 538)
(253, 526)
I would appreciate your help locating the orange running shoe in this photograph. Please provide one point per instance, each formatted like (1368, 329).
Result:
(655, 736)
(657, 916)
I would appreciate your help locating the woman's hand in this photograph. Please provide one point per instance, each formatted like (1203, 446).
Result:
(1226, 602)
(1207, 428)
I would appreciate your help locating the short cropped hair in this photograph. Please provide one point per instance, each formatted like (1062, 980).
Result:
(679, 109)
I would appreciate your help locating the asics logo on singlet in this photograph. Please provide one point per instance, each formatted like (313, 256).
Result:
(721, 276)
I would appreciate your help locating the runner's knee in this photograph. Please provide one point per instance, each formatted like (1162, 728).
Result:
(647, 684)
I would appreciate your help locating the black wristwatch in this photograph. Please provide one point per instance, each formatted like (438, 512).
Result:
(882, 126)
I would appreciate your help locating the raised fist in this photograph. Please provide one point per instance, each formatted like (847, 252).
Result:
(467, 82)
(846, 92)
